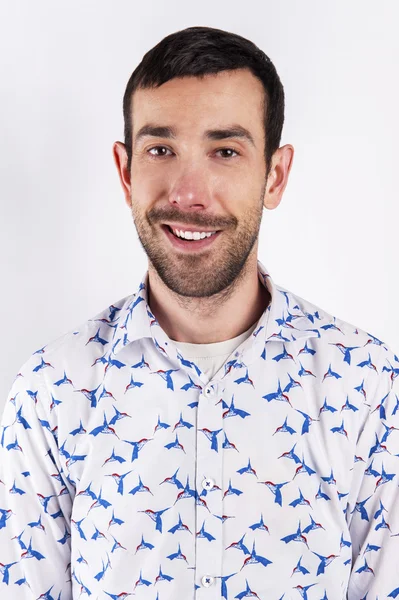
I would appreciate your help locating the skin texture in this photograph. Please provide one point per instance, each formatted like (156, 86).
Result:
(214, 294)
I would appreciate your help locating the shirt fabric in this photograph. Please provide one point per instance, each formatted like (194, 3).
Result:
(126, 471)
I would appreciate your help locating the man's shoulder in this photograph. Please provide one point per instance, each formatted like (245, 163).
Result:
(86, 341)
(334, 330)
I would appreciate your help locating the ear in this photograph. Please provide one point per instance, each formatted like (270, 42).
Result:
(121, 160)
(278, 177)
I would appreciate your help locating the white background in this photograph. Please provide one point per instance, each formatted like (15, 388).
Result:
(68, 243)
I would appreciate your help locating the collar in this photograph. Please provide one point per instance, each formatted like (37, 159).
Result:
(282, 321)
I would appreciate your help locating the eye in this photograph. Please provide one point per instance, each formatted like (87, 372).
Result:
(157, 148)
(228, 150)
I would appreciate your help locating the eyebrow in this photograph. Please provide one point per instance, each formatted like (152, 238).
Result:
(233, 131)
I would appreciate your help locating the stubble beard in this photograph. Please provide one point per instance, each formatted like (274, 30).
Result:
(214, 272)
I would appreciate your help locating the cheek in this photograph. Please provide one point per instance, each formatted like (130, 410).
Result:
(237, 188)
(153, 186)
(146, 192)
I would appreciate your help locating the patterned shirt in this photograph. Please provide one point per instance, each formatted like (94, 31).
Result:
(125, 472)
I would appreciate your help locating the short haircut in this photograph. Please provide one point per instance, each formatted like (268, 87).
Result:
(199, 51)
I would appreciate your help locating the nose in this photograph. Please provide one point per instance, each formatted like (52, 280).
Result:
(191, 192)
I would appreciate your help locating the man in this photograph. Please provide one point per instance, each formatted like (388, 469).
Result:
(212, 435)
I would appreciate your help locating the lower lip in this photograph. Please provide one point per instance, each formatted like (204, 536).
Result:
(190, 245)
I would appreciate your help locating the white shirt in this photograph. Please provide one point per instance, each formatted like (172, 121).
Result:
(124, 471)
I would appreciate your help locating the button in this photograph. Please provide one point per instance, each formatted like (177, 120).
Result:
(208, 483)
(207, 580)
(209, 391)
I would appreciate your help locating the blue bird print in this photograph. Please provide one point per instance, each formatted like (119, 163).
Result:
(331, 373)
(384, 478)
(324, 562)
(381, 408)
(297, 536)
(90, 395)
(360, 508)
(140, 488)
(188, 363)
(300, 501)
(275, 488)
(349, 406)
(5, 571)
(340, 429)
(308, 420)
(105, 428)
(255, 558)
(346, 350)
(156, 516)
(166, 375)
(247, 593)
(239, 545)
(303, 590)
(313, 525)
(99, 501)
(300, 568)
(365, 568)
(285, 428)
(368, 363)
(291, 455)
(244, 379)
(327, 408)
(279, 395)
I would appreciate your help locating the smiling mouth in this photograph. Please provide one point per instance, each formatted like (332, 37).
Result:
(186, 244)
(199, 230)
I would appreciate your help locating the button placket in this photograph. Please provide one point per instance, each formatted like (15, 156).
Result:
(210, 505)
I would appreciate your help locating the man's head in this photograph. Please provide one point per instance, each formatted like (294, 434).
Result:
(183, 165)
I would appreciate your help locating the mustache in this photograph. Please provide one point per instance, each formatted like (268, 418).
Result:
(162, 216)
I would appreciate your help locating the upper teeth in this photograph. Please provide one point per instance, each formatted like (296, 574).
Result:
(193, 235)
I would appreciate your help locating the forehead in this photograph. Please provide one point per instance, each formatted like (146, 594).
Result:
(191, 101)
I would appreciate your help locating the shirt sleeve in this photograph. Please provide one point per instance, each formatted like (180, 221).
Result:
(373, 510)
(35, 504)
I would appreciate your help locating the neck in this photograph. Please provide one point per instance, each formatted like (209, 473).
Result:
(208, 320)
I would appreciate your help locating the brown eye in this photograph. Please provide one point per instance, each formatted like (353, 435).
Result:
(157, 148)
(228, 150)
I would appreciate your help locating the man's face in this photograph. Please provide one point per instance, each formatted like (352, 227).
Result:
(194, 183)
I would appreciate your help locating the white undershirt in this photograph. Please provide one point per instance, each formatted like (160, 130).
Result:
(210, 357)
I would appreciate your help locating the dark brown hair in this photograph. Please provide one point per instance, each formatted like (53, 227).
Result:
(198, 51)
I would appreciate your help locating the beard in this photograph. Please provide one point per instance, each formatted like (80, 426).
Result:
(215, 271)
